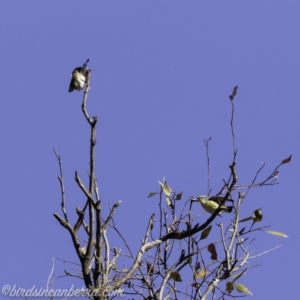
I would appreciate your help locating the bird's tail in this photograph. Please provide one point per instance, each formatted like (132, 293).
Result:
(228, 209)
(85, 64)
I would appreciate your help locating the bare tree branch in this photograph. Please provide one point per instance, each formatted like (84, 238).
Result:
(61, 181)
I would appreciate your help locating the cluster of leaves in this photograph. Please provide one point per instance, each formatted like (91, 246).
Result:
(204, 274)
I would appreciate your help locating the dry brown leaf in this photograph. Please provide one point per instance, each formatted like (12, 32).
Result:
(212, 249)
(287, 160)
(176, 276)
(197, 267)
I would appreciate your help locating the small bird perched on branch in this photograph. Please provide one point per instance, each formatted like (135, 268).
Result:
(78, 78)
(212, 203)
(234, 92)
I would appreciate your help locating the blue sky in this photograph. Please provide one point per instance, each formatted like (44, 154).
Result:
(161, 75)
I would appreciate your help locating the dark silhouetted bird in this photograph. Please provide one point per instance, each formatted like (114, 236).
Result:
(78, 78)
(234, 92)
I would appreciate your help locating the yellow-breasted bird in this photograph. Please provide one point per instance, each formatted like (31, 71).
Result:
(212, 203)
(78, 78)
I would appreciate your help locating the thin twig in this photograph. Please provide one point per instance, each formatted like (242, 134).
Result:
(206, 143)
(232, 127)
(50, 275)
(111, 214)
(265, 252)
(61, 181)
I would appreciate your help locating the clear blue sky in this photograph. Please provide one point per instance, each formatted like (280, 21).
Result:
(161, 75)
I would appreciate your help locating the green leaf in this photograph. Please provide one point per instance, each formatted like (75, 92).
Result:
(277, 233)
(237, 276)
(152, 194)
(242, 288)
(205, 233)
(246, 219)
(176, 276)
(179, 196)
(114, 266)
(167, 190)
(257, 215)
(229, 287)
(201, 273)
(169, 202)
